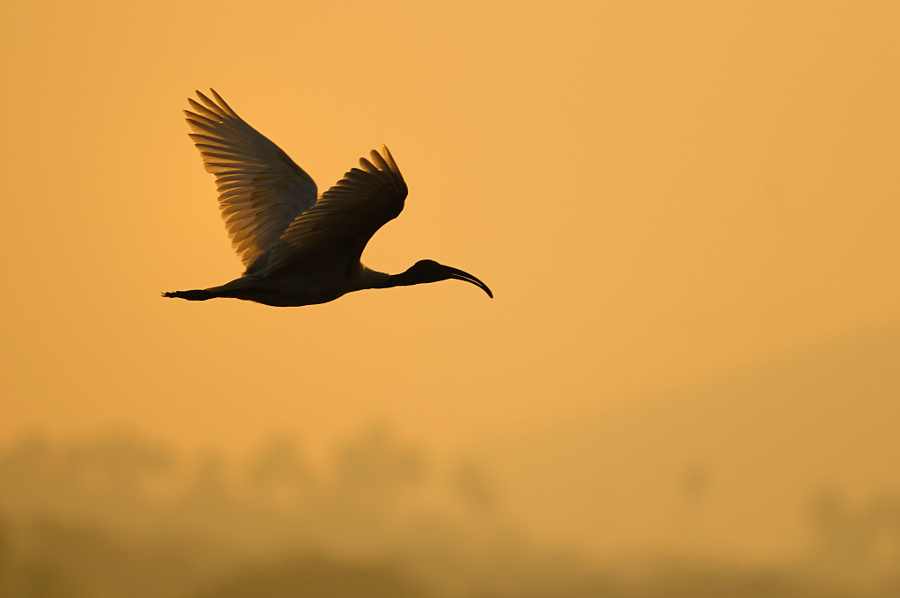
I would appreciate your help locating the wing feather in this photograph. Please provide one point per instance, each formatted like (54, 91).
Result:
(346, 216)
(261, 190)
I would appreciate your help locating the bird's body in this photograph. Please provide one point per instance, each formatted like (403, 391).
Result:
(298, 249)
(319, 285)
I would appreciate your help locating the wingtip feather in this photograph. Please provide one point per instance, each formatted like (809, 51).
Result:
(368, 166)
(223, 104)
(389, 158)
(379, 161)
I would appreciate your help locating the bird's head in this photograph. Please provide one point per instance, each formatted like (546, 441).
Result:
(431, 271)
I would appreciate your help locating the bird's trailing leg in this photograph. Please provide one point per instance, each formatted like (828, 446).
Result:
(195, 295)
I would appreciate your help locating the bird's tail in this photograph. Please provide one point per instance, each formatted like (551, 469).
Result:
(195, 295)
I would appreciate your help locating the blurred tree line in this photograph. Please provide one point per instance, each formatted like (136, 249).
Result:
(122, 516)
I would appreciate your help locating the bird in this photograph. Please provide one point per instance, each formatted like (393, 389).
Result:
(298, 248)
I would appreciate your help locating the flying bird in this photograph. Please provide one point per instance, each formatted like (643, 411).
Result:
(297, 249)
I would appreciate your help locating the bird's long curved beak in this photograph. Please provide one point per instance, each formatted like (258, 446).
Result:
(460, 275)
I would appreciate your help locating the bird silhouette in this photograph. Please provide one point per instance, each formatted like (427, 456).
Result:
(297, 250)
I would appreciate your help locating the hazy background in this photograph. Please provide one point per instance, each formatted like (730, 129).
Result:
(690, 374)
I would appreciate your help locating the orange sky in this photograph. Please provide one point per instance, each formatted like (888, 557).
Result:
(655, 194)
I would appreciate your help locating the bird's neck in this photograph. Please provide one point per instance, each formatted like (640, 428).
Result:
(404, 279)
(373, 279)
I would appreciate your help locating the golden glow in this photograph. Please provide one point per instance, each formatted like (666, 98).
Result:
(656, 194)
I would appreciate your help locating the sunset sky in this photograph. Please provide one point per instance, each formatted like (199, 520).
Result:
(656, 193)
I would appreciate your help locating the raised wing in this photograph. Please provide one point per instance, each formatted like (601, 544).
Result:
(346, 216)
(261, 190)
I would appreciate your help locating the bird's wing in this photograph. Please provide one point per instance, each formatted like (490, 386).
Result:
(261, 190)
(346, 216)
